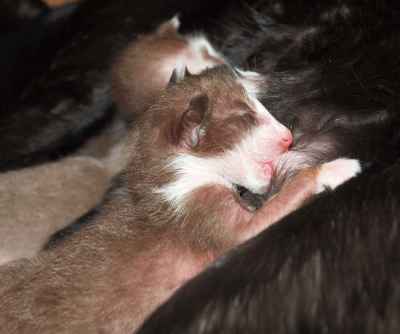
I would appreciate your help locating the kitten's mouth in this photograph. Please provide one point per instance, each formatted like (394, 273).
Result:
(268, 168)
(247, 199)
(252, 201)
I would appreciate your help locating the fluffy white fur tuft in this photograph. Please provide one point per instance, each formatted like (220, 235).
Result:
(191, 173)
(251, 81)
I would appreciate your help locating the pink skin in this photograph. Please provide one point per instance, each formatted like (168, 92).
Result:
(284, 142)
(287, 139)
(278, 143)
(276, 137)
(268, 167)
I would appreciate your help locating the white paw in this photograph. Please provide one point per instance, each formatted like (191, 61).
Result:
(332, 174)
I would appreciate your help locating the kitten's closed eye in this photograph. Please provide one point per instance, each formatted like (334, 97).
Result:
(249, 200)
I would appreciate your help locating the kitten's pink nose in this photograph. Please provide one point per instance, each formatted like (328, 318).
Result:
(286, 139)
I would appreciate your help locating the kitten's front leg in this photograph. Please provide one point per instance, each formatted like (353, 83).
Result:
(297, 191)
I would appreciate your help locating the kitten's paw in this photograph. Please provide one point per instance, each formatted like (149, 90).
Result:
(332, 174)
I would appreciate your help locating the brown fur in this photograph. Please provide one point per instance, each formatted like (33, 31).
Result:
(142, 70)
(228, 116)
(38, 201)
(109, 147)
(137, 250)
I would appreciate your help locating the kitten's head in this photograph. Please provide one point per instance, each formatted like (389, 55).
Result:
(217, 132)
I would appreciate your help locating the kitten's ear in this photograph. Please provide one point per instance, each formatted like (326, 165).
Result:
(178, 74)
(191, 128)
(170, 27)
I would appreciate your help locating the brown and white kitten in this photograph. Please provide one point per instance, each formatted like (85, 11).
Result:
(144, 68)
(176, 210)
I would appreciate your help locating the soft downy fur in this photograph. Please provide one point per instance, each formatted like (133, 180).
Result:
(142, 244)
(144, 68)
(92, 265)
(36, 202)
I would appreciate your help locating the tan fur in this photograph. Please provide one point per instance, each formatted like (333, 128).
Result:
(144, 68)
(137, 250)
(36, 202)
(109, 147)
(136, 73)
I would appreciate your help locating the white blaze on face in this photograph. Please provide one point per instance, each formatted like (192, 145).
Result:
(192, 173)
(249, 163)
